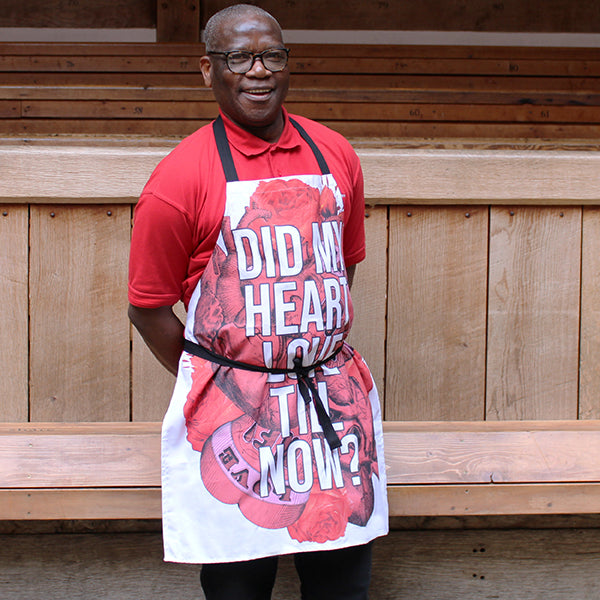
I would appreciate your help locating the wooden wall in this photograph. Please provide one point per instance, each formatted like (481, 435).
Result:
(361, 91)
(179, 20)
(478, 300)
(553, 564)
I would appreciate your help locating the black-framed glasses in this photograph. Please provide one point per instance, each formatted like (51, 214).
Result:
(241, 61)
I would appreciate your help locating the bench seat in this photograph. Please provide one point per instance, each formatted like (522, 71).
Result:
(112, 470)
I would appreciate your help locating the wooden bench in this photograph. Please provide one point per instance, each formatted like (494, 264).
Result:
(372, 91)
(112, 470)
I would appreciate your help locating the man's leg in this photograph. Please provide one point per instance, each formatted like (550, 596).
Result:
(335, 574)
(246, 580)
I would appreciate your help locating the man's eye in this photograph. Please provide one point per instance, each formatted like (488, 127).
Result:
(275, 55)
(239, 57)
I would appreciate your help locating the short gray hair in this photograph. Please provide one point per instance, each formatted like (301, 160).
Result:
(219, 19)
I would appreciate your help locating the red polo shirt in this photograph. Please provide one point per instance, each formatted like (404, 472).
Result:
(178, 217)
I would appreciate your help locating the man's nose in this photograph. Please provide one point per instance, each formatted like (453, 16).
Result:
(258, 68)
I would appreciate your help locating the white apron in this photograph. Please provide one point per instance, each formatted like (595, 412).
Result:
(272, 443)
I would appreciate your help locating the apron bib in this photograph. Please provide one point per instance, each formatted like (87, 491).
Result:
(272, 443)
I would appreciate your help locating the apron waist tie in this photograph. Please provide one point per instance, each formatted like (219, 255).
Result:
(305, 383)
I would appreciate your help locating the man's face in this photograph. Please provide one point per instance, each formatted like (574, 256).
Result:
(252, 100)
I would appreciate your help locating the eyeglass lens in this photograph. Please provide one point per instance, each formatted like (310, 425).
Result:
(273, 60)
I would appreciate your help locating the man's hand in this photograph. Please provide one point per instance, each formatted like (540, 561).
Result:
(162, 331)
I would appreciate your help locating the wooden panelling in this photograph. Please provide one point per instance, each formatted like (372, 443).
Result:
(432, 15)
(589, 373)
(520, 499)
(81, 504)
(415, 171)
(178, 20)
(13, 312)
(436, 313)
(360, 91)
(493, 452)
(369, 297)
(432, 353)
(66, 456)
(151, 384)
(76, 13)
(533, 321)
(554, 564)
(102, 470)
(79, 352)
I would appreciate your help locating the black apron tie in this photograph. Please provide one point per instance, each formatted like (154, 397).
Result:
(306, 385)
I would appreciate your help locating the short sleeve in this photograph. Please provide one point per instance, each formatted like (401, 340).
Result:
(161, 244)
(354, 226)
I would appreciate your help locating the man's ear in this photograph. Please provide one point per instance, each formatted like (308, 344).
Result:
(206, 70)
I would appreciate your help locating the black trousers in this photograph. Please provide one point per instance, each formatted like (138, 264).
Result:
(328, 575)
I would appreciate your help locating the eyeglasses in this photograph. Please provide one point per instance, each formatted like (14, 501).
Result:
(241, 61)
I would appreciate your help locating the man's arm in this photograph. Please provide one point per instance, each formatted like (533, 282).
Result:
(162, 331)
(350, 274)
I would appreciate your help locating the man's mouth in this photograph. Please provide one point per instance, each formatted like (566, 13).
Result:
(258, 93)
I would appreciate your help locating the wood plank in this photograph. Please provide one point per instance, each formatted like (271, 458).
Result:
(589, 345)
(84, 174)
(416, 565)
(151, 384)
(576, 86)
(404, 501)
(349, 129)
(86, 503)
(73, 460)
(533, 320)
(436, 313)
(369, 297)
(79, 352)
(91, 13)
(178, 21)
(102, 109)
(431, 15)
(515, 499)
(14, 223)
(352, 111)
(487, 564)
(300, 50)
(494, 456)
(10, 109)
(72, 61)
(309, 95)
(116, 171)
(108, 566)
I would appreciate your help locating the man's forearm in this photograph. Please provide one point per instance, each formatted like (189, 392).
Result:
(162, 331)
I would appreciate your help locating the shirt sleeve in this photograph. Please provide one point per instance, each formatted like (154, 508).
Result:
(354, 227)
(161, 245)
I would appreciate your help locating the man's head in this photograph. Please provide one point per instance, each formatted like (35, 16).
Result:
(253, 99)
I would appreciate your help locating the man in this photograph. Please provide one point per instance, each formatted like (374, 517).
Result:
(272, 443)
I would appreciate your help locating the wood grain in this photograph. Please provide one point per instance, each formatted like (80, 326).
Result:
(72, 13)
(589, 370)
(533, 321)
(369, 297)
(14, 224)
(554, 564)
(79, 351)
(115, 170)
(151, 384)
(436, 313)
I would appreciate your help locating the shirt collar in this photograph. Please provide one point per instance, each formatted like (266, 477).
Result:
(250, 145)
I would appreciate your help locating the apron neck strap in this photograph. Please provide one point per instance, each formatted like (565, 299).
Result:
(224, 150)
(227, 159)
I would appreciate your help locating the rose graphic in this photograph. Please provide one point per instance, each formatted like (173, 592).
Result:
(324, 518)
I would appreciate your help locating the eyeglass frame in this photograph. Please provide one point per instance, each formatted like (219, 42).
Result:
(258, 55)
